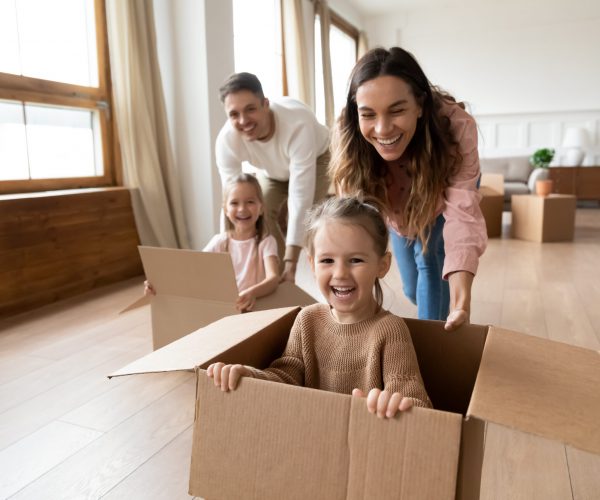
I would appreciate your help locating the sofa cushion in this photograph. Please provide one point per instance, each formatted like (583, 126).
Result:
(511, 188)
(513, 168)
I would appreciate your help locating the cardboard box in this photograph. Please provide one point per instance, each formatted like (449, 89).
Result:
(543, 218)
(194, 289)
(493, 181)
(492, 205)
(270, 441)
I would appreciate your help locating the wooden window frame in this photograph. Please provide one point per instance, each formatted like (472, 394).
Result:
(340, 23)
(35, 90)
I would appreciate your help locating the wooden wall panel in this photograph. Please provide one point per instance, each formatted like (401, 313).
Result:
(56, 245)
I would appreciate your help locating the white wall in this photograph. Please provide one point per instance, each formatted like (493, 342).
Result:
(519, 58)
(195, 45)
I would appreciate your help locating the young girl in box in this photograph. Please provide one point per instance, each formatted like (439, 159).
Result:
(246, 238)
(350, 345)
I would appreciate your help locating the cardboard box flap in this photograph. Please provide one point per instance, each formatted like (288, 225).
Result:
(540, 386)
(252, 338)
(188, 273)
(448, 362)
(142, 301)
(269, 441)
(280, 441)
(287, 294)
(398, 455)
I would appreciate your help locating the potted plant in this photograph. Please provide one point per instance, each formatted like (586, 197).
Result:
(541, 160)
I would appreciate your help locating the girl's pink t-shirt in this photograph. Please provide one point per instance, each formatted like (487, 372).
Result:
(248, 260)
(465, 235)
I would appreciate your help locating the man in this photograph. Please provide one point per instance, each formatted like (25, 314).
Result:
(284, 140)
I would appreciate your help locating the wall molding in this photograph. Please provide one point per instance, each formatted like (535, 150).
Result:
(517, 134)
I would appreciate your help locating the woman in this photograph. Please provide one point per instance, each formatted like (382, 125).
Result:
(414, 148)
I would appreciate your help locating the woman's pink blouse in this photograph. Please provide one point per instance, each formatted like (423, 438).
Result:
(465, 235)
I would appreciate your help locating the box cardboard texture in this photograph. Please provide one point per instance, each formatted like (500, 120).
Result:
(269, 441)
(492, 203)
(194, 289)
(543, 218)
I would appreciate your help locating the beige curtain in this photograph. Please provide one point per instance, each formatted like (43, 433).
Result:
(139, 108)
(363, 44)
(297, 40)
(322, 10)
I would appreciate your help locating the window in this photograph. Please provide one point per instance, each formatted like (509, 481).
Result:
(343, 47)
(257, 42)
(55, 123)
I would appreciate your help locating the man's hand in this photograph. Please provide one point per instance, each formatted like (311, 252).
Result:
(289, 271)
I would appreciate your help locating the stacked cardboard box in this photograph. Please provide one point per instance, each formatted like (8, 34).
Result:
(543, 218)
(492, 203)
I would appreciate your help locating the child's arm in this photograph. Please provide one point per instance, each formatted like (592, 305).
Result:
(148, 288)
(248, 297)
(227, 376)
(288, 369)
(402, 382)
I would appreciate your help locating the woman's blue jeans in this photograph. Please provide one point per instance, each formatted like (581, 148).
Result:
(422, 273)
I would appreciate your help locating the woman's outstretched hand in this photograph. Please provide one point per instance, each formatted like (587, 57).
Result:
(456, 318)
(384, 403)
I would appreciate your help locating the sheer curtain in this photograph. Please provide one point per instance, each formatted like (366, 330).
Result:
(298, 34)
(322, 10)
(148, 166)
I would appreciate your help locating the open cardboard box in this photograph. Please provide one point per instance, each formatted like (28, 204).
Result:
(194, 289)
(271, 441)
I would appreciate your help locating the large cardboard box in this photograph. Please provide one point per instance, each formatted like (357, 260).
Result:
(271, 441)
(194, 289)
(492, 203)
(543, 218)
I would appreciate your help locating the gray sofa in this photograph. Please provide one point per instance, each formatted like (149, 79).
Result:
(519, 175)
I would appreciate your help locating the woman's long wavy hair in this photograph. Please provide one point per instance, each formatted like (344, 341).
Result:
(432, 153)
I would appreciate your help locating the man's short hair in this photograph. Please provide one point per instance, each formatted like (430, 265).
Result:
(241, 81)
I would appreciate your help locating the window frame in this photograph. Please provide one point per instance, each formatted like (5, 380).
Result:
(340, 23)
(26, 89)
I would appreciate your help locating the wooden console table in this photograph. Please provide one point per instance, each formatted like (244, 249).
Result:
(583, 182)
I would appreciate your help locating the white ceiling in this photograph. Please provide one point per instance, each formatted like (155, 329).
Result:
(370, 7)
(374, 7)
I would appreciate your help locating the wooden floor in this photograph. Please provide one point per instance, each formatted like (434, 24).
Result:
(68, 432)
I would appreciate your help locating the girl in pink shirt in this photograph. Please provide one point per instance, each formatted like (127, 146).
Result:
(246, 238)
(414, 148)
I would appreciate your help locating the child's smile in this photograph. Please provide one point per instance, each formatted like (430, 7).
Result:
(346, 266)
(243, 208)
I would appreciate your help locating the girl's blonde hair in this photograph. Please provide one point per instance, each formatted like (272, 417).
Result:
(261, 225)
(433, 155)
(365, 213)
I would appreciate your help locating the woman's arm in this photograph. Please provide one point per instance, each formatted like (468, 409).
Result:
(460, 299)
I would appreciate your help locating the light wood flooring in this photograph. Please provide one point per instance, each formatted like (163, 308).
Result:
(68, 432)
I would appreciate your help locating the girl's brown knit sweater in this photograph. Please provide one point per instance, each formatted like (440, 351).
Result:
(324, 354)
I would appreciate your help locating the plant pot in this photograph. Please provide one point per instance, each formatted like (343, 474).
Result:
(544, 187)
